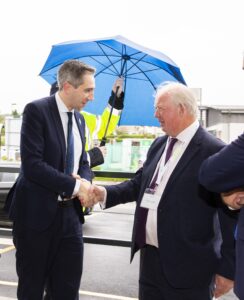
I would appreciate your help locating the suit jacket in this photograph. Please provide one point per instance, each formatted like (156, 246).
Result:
(224, 172)
(32, 201)
(187, 218)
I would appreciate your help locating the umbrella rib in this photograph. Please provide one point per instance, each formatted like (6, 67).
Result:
(122, 50)
(171, 71)
(138, 60)
(106, 56)
(78, 58)
(134, 78)
(108, 67)
(147, 77)
(105, 67)
(147, 71)
(121, 61)
(136, 66)
(112, 74)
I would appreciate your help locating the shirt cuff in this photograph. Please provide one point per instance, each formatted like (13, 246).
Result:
(231, 208)
(77, 188)
(103, 202)
(88, 158)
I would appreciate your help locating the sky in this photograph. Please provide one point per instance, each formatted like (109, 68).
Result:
(205, 38)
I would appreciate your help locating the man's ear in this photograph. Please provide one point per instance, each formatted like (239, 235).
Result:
(182, 109)
(66, 87)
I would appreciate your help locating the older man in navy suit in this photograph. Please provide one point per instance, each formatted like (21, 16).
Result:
(44, 205)
(224, 173)
(177, 221)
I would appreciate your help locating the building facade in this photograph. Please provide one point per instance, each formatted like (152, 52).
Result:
(225, 122)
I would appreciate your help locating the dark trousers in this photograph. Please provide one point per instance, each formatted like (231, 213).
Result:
(52, 258)
(153, 284)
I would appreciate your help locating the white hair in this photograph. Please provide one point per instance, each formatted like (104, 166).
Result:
(179, 94)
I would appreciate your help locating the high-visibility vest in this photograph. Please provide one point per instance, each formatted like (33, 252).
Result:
(96, 125)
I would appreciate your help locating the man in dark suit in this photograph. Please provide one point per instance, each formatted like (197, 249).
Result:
(224, 173)
(176, 224)
(44, 205)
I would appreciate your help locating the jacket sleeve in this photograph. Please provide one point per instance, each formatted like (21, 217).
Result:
(224, 171)
(227, 222)
(96, 157)
(124, 192)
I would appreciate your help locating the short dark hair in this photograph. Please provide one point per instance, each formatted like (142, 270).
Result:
(73, 72)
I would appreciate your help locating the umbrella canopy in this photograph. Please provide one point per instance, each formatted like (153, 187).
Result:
(143, 70)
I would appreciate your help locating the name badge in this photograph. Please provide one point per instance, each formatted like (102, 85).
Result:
(150, 199)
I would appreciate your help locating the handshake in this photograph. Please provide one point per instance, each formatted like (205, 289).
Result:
(89, 194)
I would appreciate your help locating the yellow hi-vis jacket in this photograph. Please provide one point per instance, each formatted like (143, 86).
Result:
(96, 125)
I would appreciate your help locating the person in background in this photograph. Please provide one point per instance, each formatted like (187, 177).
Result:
(224, 173)
(96, 124)
(183, 231)
(43, 204)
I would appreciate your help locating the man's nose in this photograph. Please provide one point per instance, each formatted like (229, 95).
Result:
(90, 96)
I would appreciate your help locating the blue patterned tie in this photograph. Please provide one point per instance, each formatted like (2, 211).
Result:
(143, 212)
(69, 161)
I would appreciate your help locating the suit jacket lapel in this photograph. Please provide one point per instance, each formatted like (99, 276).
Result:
(191, 150)
(80, 125)
(58, 125)
(157, 154)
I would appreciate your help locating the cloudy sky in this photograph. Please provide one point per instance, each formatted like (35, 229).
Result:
(205, 38)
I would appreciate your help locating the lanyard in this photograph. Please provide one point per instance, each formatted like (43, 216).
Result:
(163, 168)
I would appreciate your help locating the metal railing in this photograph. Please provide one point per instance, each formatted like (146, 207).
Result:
(15, 168)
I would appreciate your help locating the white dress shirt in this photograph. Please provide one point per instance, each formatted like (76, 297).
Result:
(165, 172)
(77, 138)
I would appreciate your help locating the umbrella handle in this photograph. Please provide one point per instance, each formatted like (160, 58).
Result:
(103, 141)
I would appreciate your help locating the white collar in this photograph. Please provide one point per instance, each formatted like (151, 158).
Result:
(187, 134)
(61, 106)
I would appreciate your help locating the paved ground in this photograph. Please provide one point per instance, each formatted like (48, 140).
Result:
(107, 271)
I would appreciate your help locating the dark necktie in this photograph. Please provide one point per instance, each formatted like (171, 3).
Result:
(170, 149)
(69, 161)
(143, 212)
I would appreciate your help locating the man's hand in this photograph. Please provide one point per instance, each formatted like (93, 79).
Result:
(118, 84)
(83, 194)
(89, 194)
(234, 199)
(98, 193)
(222, 286)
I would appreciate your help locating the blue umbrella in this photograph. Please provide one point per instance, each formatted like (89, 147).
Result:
(143, 70)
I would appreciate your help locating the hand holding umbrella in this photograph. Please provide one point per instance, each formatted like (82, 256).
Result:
(116, 101)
